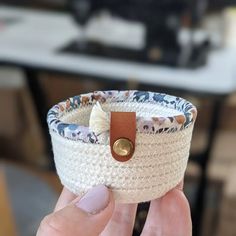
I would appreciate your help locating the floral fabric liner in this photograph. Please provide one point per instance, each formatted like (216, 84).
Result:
(150, 125)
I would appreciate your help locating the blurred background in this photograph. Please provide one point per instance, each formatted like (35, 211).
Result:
(54, 49)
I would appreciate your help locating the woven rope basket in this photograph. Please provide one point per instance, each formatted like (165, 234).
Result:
(80, 134)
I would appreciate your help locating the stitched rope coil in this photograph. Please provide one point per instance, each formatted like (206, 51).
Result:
(158, 164)
(153, 170)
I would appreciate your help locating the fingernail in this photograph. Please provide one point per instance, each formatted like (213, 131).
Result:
(95, 200)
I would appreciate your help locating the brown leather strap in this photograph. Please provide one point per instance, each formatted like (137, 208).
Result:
(122, 135)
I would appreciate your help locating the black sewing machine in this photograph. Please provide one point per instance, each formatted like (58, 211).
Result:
(163, 20)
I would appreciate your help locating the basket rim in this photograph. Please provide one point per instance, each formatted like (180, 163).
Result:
(152, 125)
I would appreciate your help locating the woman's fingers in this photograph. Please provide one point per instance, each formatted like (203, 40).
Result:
(122, 221)
(85, 216)
(153, 224)
(168, 216)
(65, 198)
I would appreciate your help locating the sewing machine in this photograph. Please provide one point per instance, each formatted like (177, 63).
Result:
(154, 32)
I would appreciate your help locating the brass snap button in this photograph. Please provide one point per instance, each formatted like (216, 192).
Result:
(123, 147)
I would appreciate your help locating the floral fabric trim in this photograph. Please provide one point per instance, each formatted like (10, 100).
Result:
(152, 125)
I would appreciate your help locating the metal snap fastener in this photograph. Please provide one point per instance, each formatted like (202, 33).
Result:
(123, 147)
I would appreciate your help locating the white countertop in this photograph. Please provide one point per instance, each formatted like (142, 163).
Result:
(36, 36)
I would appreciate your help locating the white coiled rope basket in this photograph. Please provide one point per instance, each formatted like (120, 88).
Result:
(80, 134)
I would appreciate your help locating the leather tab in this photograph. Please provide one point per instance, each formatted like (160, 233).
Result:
(122, 135)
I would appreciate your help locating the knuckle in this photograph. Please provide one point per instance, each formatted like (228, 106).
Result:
(49, 226)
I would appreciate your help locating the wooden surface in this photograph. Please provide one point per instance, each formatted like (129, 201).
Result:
(7, 225)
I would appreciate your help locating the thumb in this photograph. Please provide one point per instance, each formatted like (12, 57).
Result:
(87, 216)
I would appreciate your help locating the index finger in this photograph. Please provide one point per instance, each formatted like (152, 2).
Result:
(65, 198)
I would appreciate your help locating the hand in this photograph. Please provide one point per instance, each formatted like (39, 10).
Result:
(97, 214)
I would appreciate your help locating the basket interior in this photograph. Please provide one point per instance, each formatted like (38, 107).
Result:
(81, 115)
